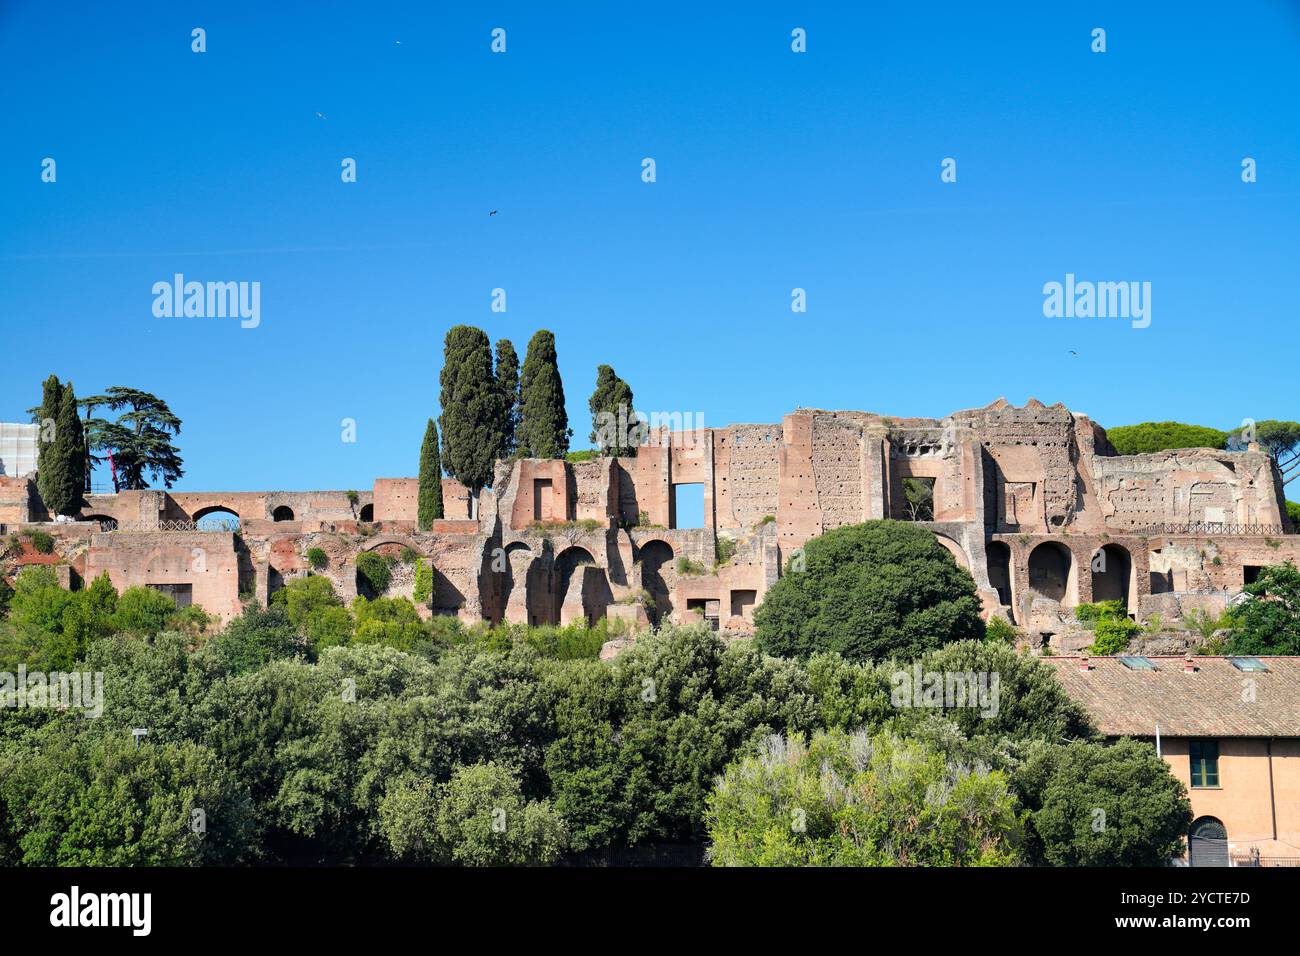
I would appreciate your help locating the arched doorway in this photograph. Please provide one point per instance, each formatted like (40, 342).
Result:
(367, 513)
(1207, 842)
(656, 577)
(282, 513)
(1051, 572)
(1112, 569)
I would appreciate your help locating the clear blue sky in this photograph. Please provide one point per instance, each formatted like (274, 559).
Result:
(775, 170)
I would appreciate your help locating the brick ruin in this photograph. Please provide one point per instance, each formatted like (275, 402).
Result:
(1033, 501)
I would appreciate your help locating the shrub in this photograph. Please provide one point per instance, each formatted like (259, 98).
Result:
(858, 800)
(409, 555)
(143, 610)
(423, 582)
(373, 573)
(690, 567)
(41, 541)
(1089, 613)
(1268, 620)
(1001, 631)
(317, 558)
(392, 622)
(724, 550)
(870, 591)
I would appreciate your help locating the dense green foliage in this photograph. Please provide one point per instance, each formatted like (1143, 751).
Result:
(1293, 512)
(870, 591)
(472, 419)
(373, 573)
(46, 415)
(544, 430)
(1093, 804)
(861, 800)
(1111, 626)
(1268, 621)
(430, 481)
(1158, 436)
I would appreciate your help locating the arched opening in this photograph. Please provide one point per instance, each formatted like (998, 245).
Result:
(367, 513)
(570, 600)
(657, 575)
(1051, 572)
(282, 513)
(1207, 842)
(105, 522)
(1112, 573)
(953, 548)
(507, 574)
(216, 518)
(999, 560)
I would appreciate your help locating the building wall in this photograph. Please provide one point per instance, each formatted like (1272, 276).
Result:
(1245, 800)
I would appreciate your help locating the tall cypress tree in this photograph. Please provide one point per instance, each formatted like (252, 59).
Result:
(471, 420)
(613, 397)
(544, 426)
(508, 385)
(47, 421)
(430, 478)
(66, 459)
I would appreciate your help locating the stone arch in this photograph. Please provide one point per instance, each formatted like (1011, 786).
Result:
(214, 510)
(105, 520)
(1207, 842)
(397, 539)
(1052, 573)
(510, 583)
(956, 550)
(1113, 576)
(367, 513)
(282, 513)
(998, 555)
(658, 574)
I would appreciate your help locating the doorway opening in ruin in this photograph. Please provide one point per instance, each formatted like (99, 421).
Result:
(687, 506)
(367, 513)
(656, 559)
(1250, 573)
(216, 519)
(1051, 572)
(918, 499)
(569, 583)
(999, 559)
(182, 595)
(1112, 571)
(706, 609)
(742, 604)
(282, 513)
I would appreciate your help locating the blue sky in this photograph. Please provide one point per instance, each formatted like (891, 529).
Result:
(775, 170)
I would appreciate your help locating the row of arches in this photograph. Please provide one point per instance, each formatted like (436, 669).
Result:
(1054, 574)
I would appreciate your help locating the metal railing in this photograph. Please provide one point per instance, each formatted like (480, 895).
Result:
(170, 525)
(1210, 527)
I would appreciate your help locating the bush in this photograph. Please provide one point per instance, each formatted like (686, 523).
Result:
(392, 622)
(255, 638)
(41, 541)
(423, 593)
(1089, 613)
(1268, 620)
(690, 567)
(1001, 631)
(1293, 512)
(1097, 804)
(143, 610)
(409, 555)
(870, 591)
(860, 801)
(373, 573)
(317, 558)
(724, 550)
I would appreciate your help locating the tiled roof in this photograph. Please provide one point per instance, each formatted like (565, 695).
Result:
(1215, 700)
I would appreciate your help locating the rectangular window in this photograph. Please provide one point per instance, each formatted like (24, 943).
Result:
(542, 499)
(1205, 762)
(181, 594)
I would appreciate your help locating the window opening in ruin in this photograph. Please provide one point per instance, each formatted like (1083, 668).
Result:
(1250, 573)
(282, 513)
(688, 506)
(367, 513)
(918, 499)
(542, 499)
(182, 595)
(217, 519)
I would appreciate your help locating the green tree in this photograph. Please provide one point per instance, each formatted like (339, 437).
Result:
(1159, 436)
(869, 591)
(393, 622)
(140, 440)
(544, 430)
(46, 415)
(1293, 512)
(1281, 440)
(430, 504)
(507, 374)
(1268, 620)
(143, 610)
(472, 416)
(257, 636)
(373, 573)
(1096, 804)
(62, 465)
(860, 800)
(614, 425)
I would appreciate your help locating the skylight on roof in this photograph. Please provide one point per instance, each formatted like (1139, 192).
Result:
(1135, 663)
(1248, 664)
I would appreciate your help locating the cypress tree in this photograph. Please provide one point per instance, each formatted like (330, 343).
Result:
(67, 460)
(508, 386)
(430, 478)
(47, 420)
(544, 425)
(616, 435)
(471, 420)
